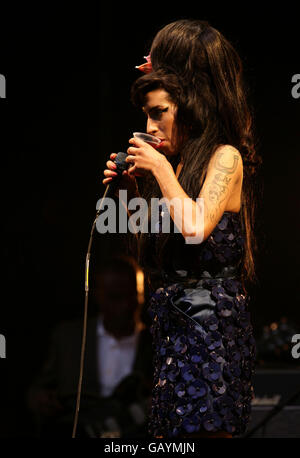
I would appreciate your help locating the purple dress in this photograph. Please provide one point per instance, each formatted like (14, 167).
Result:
(204, 350)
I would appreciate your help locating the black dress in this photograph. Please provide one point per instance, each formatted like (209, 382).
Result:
(204, 350)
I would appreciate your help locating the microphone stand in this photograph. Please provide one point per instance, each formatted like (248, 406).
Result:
(121, 166)
(87, 264)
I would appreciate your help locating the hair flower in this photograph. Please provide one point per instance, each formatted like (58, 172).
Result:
(147, 67)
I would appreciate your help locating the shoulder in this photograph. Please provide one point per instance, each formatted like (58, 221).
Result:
(227, 150)
(226, 159)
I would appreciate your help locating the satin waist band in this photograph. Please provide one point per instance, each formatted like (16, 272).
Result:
(183, 276)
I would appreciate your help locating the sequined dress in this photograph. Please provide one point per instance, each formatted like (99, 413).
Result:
(204, 350)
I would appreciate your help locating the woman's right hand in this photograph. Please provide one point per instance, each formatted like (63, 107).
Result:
(127, 181)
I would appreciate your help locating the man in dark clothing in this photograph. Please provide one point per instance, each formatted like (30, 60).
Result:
(117, 378)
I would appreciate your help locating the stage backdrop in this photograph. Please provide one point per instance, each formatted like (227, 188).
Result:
(66, 73)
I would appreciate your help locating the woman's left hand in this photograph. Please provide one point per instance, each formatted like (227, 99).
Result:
(143, 157)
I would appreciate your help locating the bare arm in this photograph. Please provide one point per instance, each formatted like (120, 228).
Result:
(223, 173)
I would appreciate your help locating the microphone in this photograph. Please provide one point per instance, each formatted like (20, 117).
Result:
(122, 165)
(113, 185)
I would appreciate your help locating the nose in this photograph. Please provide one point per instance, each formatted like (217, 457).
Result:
(152, 128)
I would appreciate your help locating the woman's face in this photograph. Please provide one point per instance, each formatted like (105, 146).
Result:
(160, 111)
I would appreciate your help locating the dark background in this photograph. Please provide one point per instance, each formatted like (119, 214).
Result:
(68, 72)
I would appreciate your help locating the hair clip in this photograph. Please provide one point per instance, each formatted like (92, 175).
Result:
(147, 67)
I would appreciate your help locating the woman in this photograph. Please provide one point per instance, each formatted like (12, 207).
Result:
(195, 102)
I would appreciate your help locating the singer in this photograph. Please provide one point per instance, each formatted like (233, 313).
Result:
(194, 98)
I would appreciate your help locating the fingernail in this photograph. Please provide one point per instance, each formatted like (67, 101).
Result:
(114, 166)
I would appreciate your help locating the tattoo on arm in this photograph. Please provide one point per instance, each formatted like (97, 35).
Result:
(218, 187)
(223, 168)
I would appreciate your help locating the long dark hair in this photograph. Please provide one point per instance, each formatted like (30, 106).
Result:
(202, 73)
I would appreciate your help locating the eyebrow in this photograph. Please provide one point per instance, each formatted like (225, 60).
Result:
(156, 107)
